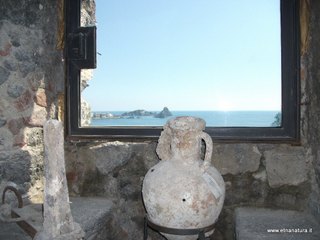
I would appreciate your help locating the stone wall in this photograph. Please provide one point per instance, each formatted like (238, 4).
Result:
(32, 78)
(263, 175)
(31, 75)
(311, 103)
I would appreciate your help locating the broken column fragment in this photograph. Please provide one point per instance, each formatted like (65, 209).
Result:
(58, 221)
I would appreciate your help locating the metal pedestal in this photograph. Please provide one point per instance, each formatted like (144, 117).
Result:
(176, 231)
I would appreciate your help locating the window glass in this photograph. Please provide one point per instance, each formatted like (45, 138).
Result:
(218, 60)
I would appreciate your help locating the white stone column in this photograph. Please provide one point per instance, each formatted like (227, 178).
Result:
(58, 221)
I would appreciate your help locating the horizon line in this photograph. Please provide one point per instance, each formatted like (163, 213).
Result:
(216, 110)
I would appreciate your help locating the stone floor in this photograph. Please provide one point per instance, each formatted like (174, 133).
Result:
(90, 213)
(250, 223)
(267, 224)
(11, 231)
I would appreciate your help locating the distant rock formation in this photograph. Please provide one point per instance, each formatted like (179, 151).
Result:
(132, 114)
(104, 115)
(164, 113)
(137, 113)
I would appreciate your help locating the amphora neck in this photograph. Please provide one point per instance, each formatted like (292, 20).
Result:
(186, 146)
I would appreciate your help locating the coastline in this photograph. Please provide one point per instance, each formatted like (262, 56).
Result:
(212, 118)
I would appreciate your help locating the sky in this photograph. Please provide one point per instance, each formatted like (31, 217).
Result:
(186, 55)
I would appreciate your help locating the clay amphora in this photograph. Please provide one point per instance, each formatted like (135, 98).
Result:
(183, 191)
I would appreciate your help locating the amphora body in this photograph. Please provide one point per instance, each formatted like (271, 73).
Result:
(183, 191)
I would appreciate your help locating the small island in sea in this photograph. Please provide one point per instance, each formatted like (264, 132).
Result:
(133, 114)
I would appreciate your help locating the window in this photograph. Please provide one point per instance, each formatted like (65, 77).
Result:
(81, 57)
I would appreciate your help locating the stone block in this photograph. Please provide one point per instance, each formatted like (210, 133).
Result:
(33, 136)
(92, 214)
(41, 98)
(236, 158)
(15, 89)
(23, 55)
(15, 125)
(4, 75)
(38, 116)
(18, 140)
(24, 101)
(5, 50)
(26, 68)
(11, 231)
(262, 176)
(267, 224)
(15, 166)
(10, 65)
(286, 166)
(3, 121)
(287, 200)
(6, 139)
(111, 155)
(36, 80)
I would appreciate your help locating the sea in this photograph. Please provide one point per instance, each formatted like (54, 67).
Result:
(212, 118)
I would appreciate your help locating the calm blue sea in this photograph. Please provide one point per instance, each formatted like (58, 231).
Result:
(212, 118)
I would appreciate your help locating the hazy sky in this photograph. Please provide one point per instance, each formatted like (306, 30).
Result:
(187, 55)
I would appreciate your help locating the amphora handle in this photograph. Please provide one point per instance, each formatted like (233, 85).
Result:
(209, 146)
(164, 144)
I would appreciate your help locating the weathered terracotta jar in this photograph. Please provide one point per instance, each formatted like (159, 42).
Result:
(183, 191)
